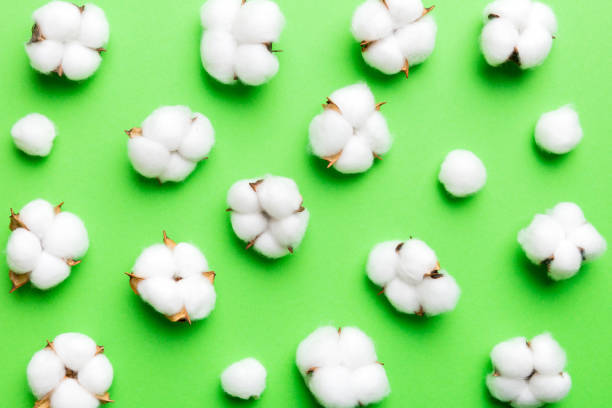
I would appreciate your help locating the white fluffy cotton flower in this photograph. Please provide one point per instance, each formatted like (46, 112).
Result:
(517, 30)
(175, 280)
(558, 131)
(244, 379)
(561, 240)
(411, 278)
(170, 142)
(44, 244)
(70, 372)
(394, 34)
(529, 373)
(341, 368)
(237, 40)
(267, 213)
(462, 173)
(351, 131)
(33, 134)
(68, 39)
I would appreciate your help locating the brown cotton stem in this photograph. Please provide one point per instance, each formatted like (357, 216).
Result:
(99, 350)
(384, 2)
(59, 70)
(365, 44)
(18, 280)
(380, 292)
(290, 249)
(168, 242)
(133, 132)
(311, 370)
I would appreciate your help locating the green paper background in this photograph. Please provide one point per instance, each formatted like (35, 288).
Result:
(264, 308)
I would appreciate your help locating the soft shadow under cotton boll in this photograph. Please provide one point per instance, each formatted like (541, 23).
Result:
(33, 134)
(244, 379)
(558, 131)
(462, 173)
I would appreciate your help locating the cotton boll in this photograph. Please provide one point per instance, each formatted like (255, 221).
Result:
(404, 11)
(219, 14)
(504, 388)
(370, 383)
(248, 226)
(254, 64)
(533, 46)
(356, 348)
(371, 21)
(332, 386)
(34, 134)
(319, 349)
(377, 133)
(244, 379)
(550, 388)
(149, 158)
(438, 295)
(513, 358)
(49, 271)
(558, 131)
(162, 294)
(417, 40)
(69, 394)
(45, 372)
(498, 40)
(94, 28)
(385, 55)
(566, 261)
(242, 198)
(22, 251)
(97, 375)
(462, 173)
(356, 103)
(290, 230)
(526, 400)
(218, 52)
(58, 20)
(67, 237)
(328, 133)
(45, 56)
(516, 11)
(589, 241)
(37, 215)
(383, 262)
(258, 21)
(268, 246)
(356, 156)
(155, 261)
(197, 143)
(416, 259)
(541, 14)
(548, 356)
(189, 260)
(177, 168)
(79, 62)
(402, 296)
(198, 296)
(167, 125)
(541, 238)
(279, 196)
(74, 349)
(569, 215)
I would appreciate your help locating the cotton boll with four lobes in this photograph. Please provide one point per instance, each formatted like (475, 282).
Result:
(170, 143)
(33, 134)
(244, 379)
(462, 173)
(558, 131)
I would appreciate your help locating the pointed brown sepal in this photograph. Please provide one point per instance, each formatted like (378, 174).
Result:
(331, 105)
(379, 104)
(100, 50)
(168, 242)
(243, 1)
(406, 68)
(290, 249)
(104, 399)
(99, 350)
(50, 345)
(134, 281)
(255, 184)
(228, 209)
(380, 292)
(133, 132)
(311, 370)
(301, 209)
(59, 70)
(58, 208)
(15, 222)
(339, 330)
(365, 44)
(491, 16)
(433, 275)
(72, 262)
(495, 373)
(18, 280)
(426, 11)
(514, 57)
(251, 243)
(332, 159)
(210, 275)
(180, 316)
(384, 2)
(420, 312)
(376, 156)
(81, 8)
(44, 402)
(399, 247)
(378, 362)
(37, 35)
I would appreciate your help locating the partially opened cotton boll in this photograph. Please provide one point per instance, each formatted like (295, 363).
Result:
(44, 244)
(462, 173)
(170, 143)
(68, 39)
(341, 368)
(351, 131)
(71, 371)
(561, 240)
(394, 34)
(175, 280)
(521, 31)
(244, 379)
(238, 37)
(558, 131)
(33, 134)
(411, 279)
(267, 213)
(528, 373)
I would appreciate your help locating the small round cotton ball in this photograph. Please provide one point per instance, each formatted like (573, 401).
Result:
(34, 134)
(558, 131)
(244, 379)
(462, 173)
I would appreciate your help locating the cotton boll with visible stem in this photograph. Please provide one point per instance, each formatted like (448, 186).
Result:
(462, 173)
(244, 379)
(558, 131)
(34, 134)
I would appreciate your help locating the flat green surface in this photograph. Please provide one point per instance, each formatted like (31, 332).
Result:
(265, 308)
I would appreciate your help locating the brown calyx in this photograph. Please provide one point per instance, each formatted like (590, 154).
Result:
(434, 274)
(406, 68)
(180, 316)
(133, 132)
(255, 184)
(18, 280)
(168, 242)
(15, 222)
(420, 312)
(37, 35)
(269, 47)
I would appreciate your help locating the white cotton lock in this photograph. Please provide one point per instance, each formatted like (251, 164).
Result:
(244, 379)
(175, 280)
(70, 372)
(351, 131)
(561, 240)
(411, 279)
(517, 30)
(33, 134)
(528, 373)
(237, 40)
(394, 34)
(170, 143)
(558, 131)
(462, 173)
(267, 214)
(341, 368)
(68, 39)
(44, 244)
